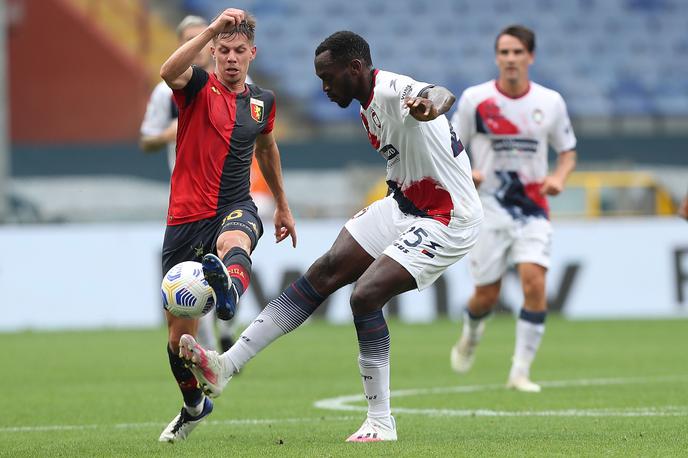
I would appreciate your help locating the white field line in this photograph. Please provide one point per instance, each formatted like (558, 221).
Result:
(342, 403)
(237, 422)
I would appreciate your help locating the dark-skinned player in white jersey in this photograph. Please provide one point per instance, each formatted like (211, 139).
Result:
(402, 242)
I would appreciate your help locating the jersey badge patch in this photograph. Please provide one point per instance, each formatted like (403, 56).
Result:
(257, 108)
(214, 89)
(538, 116)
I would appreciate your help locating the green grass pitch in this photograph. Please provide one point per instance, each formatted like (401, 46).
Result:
(613, 388)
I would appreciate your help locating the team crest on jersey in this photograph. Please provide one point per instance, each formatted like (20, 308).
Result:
(538, 116)
(214, 89)
(257, 108)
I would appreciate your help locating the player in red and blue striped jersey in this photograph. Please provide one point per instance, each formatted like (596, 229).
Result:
(211, 215)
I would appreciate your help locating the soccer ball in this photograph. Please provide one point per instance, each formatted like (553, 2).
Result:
(185, 292)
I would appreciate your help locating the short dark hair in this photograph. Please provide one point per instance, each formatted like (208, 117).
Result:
(521, 33)
(247, 28)
(346, 46)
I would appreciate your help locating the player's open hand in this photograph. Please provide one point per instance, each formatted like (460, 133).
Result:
(227, 20)
(421, 108)
(285, 226)
(551, 186)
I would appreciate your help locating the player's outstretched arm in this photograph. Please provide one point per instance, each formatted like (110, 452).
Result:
(430, 103)
(554, 183)
(267, 155)
(176, 71)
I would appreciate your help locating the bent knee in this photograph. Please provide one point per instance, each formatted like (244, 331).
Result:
(324, 275)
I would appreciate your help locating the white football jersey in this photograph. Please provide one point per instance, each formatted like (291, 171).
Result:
(508, 142)
(427, 168)
(160, 112)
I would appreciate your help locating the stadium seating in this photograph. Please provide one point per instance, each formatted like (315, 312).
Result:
(606, 57)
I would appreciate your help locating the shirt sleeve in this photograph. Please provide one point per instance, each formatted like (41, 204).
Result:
(409, 88)
(158, 111)
(185, 95)
(561, 135)
(270, 123)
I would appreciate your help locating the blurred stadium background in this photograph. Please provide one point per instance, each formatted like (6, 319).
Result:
(74, 184)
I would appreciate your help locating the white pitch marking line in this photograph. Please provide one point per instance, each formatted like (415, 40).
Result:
(235, 422)
(341, 403)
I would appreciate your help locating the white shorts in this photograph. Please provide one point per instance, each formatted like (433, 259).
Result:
(497, 248)
(423, 246)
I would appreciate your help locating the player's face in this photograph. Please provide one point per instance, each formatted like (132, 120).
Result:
(204, 58)
(337, 80)
(513, 59)
(232, 57)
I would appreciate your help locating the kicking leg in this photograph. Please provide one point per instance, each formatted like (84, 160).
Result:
(342, 264)
(229, 273)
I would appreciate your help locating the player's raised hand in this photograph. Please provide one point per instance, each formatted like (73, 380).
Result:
(227, 20)
(551, 186)
(421, 108)
(284, 226)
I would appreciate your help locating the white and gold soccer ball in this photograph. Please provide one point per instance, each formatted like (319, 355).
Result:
(185, 292)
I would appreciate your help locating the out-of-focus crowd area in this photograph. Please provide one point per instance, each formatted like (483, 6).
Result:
(79, 74)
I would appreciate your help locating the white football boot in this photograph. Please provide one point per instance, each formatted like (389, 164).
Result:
(462, 354)
(522, 383)
(373, 430)
(181, 426)
(206, 366)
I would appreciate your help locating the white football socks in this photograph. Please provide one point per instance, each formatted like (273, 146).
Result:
(528, 338)
(258, 335)
(472, 329)
(376, 389)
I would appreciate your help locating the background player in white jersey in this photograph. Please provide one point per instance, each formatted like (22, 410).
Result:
(159, 126)
(401, 242)
(506, 125)
(159, 129)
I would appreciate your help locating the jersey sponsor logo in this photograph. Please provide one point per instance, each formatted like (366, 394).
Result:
(257, 108)
(525, 145)
(391, 155)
